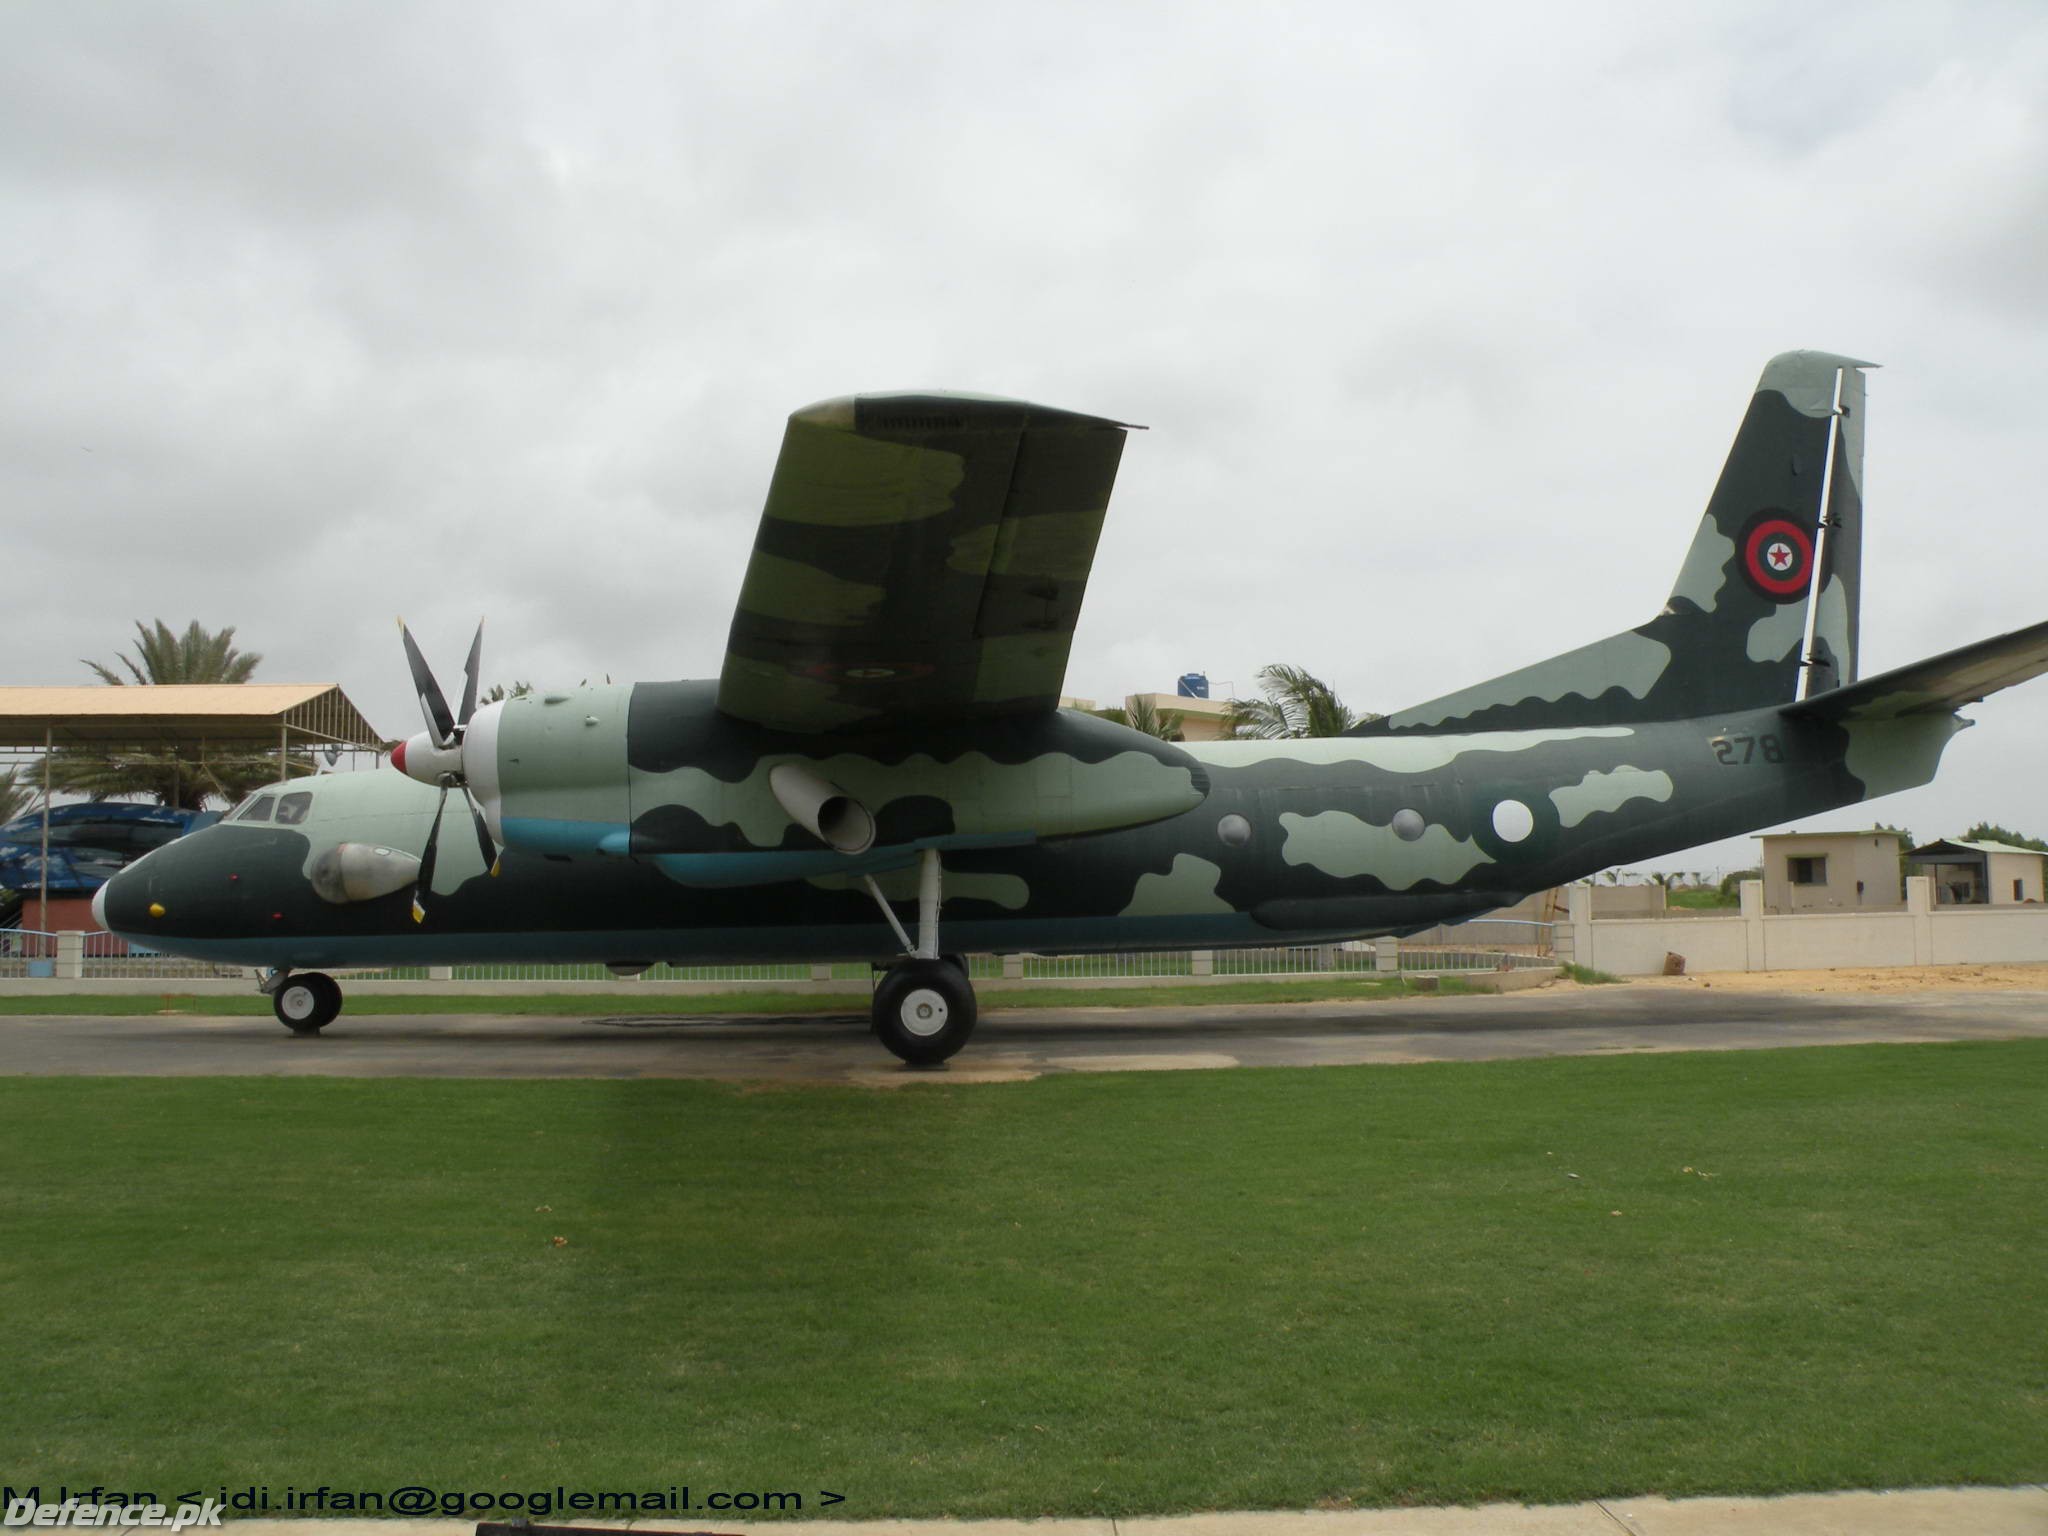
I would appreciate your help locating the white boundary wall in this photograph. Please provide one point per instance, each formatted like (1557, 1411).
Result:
(1923, 934)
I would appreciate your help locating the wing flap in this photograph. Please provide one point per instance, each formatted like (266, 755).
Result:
(920, 557)
(1939, 684)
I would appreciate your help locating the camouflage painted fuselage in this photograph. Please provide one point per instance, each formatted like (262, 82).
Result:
(702, 864)
(902, 632)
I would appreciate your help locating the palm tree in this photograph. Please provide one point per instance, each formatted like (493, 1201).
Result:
(1147, 719)
(15, 796)
(180, 776)
(177, 776)
(193, 657)
(1296, 703)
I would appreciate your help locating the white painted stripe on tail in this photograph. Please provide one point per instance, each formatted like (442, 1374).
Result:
(1820, 542)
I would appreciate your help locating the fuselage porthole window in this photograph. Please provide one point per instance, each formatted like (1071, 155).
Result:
(292, 809)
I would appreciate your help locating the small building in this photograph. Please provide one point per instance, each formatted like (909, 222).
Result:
(1832, 871)
(1979, 874)
(1200, 719)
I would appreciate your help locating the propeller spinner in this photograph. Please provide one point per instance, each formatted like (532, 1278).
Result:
(434, 756)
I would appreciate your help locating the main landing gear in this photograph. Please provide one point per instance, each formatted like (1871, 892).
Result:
(924, 1007)
(306, 1003)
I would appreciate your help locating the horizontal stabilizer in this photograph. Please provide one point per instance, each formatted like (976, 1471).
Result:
(1938, 684)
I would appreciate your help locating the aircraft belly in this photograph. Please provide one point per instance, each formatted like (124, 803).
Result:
(707, 945)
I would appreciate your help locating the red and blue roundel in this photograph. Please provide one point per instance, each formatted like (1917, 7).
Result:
(1777, 556)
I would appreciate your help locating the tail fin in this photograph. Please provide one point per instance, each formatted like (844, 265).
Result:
(1765, 608)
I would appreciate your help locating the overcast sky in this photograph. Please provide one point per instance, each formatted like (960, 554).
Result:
(1441, 316)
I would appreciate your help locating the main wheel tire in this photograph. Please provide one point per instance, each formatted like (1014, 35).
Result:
(307, 1003)
(924, 1010)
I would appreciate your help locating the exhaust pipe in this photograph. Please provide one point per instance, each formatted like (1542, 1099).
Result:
(822, 808)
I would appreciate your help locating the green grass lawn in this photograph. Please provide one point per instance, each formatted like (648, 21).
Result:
(1092, 1293)
(235, 1005)
(1704, 901)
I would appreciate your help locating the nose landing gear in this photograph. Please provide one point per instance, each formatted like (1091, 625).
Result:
(924, 1008)
(306, 1003)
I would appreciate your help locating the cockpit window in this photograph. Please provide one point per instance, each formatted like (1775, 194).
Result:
(291, 810)
(257, 809)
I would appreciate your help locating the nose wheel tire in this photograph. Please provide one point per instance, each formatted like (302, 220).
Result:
(307, 1002)
(924, 1010)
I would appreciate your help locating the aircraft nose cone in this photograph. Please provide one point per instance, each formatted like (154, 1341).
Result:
(99, 905)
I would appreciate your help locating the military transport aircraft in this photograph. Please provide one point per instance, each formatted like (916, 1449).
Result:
(884, 736)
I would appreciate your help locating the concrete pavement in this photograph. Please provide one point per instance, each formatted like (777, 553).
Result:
(1911, 1512)
(1014, 1044)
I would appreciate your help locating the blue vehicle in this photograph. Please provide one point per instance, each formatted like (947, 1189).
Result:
(89, 843)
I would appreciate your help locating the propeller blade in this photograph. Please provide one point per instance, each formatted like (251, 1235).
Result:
(433, 704)
(470, 668)
(423, 886)
(484, 845)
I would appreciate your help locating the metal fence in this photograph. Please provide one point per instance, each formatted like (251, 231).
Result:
(1486, 944)
(108, 956)
(27, 952)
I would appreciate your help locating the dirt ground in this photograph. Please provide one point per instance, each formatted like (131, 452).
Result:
(1919, 978)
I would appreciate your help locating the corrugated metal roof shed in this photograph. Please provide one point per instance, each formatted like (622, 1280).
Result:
(1952, 844)
(224, 714)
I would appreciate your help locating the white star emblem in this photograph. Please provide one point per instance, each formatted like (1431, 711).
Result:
(1780, 556)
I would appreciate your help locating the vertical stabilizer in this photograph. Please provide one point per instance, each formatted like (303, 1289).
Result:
(1768, 591)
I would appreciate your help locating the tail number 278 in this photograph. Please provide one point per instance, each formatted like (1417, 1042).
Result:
(1732, 750)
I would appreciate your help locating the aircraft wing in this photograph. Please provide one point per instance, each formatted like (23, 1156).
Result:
(921, 557)
(1938, 684)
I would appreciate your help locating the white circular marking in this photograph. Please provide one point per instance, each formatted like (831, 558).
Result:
(297, 1003)
(923, 1012)
(1513, 821)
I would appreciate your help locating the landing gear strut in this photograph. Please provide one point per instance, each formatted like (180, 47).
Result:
(306, 1003)
(924, 1008)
